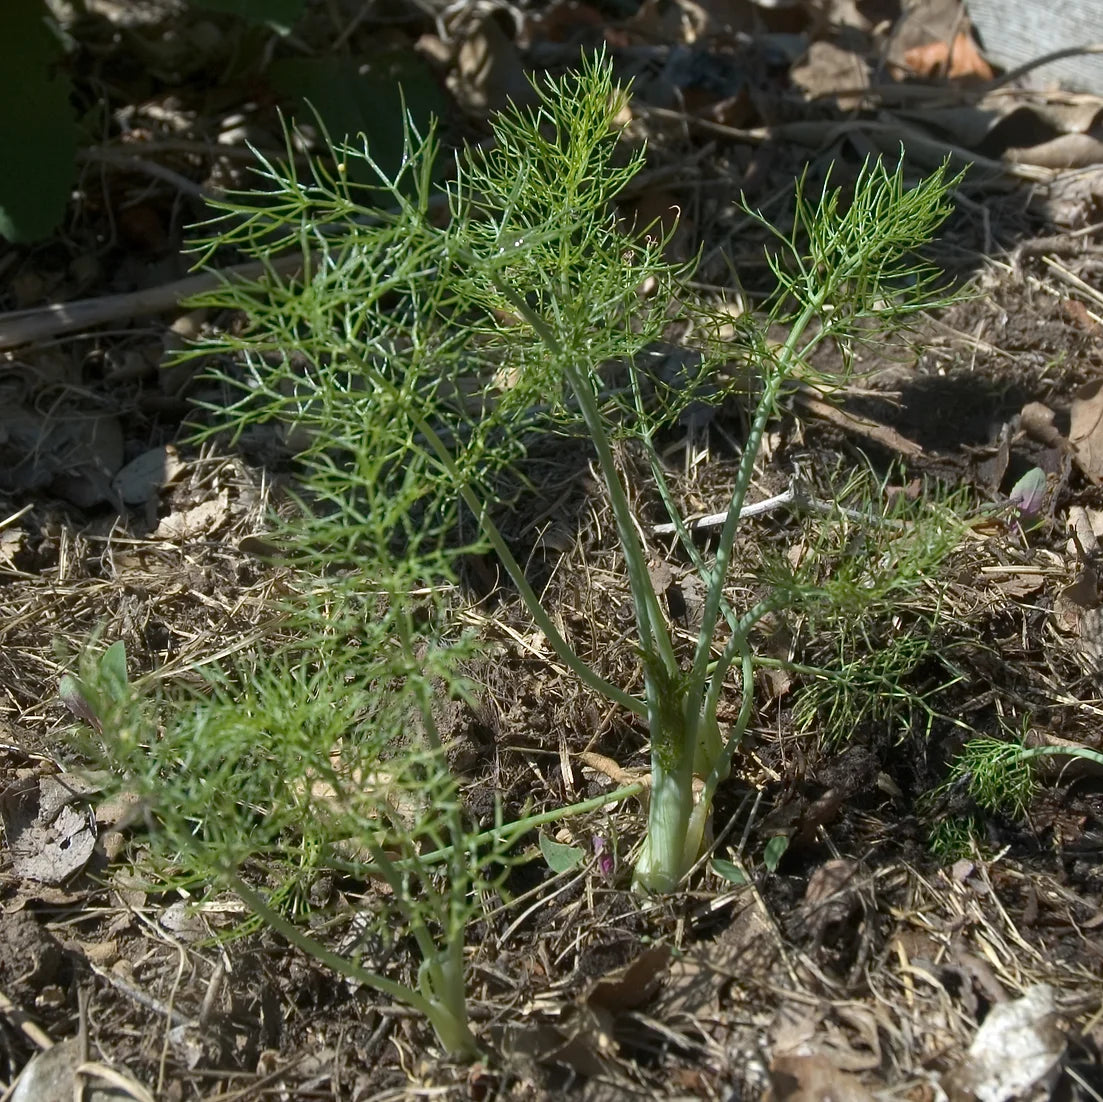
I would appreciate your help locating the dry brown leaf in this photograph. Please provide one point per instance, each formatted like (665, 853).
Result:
(659, 213)
(1086, 430)
(1074, 600)
(1016, 586)
(956, 60)
(201, 520)
(49, 838)
(707, 18)
(813, 1078)
(633, 985)
(488, 74)
(827, 69)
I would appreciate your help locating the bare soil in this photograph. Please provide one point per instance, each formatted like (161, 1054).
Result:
(864, 963)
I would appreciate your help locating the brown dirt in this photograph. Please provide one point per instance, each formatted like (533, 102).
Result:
(861, 966)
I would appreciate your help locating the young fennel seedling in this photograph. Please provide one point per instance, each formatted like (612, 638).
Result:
(411, 358)
(474, 331)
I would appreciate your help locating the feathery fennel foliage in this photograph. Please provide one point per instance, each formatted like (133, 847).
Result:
(422, 343)
(418, 344)
(264, 776)
(999, 773)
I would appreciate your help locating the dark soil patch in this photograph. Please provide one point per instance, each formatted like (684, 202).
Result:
(860, 960)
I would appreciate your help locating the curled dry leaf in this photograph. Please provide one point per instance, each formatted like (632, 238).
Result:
(955, 60)
(1017, 1051)
(1086, 430)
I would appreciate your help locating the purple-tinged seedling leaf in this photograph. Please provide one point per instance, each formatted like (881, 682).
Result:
(74, 696)
(605, 862)
(1027, 494)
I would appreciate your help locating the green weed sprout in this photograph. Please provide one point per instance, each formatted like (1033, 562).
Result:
(428, 337)
(999, 774)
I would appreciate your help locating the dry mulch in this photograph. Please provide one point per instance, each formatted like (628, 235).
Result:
(863, 965)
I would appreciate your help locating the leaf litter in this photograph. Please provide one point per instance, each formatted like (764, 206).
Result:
(907, 972)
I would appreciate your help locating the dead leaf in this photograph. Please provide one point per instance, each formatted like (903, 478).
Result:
(633, 985)
(201, 520)
(11, 543)
(813, 1078)
(49, 839)
(1065, 151)
(488, 74)
(1076, 599)
(1086, 430)
(1015, 586)
(1017, 1051)
(73, 453)
(955, 61)
(64, 1071)
(1039, 422)
(150, 472)
(659, 213)
(828, 69)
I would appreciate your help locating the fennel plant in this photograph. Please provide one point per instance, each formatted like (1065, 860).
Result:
(262, 778)
(428, 336)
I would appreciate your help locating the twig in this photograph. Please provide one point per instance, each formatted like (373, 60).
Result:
(1038, 62)
(28, 326)
(789, 497)
(141, 998)
(716, 520)
(105, 156)
(884, 435)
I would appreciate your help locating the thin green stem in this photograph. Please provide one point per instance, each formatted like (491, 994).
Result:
(567, 654)
(736, 645)
(767, 405)
(655, 640)
(1061, 751)
(453, 1033)
(442, 964)
(500, 836)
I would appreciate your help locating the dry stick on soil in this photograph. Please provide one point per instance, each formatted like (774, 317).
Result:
(29, 326)
(884, 435)
(813, 135)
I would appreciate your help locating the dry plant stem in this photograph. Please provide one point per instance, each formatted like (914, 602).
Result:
(715, 520)
(759, 508)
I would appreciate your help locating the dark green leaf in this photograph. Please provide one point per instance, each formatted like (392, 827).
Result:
(113, 677)
(775, 850)
(37, 133)
(729, 871)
